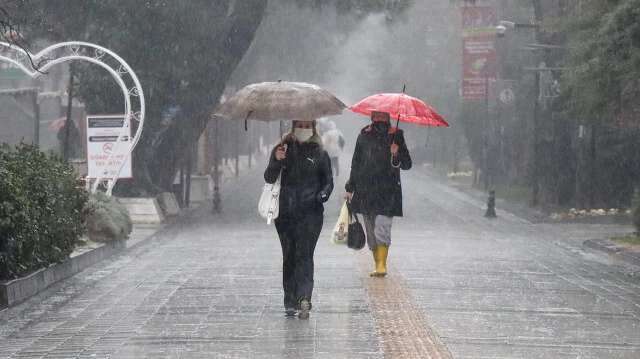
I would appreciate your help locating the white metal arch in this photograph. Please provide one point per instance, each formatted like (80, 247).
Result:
(124, 76)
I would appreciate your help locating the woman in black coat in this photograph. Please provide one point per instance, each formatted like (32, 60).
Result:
(306, 183)
(374, 186)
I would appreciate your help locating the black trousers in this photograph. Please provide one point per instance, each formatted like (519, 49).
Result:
(298, 238)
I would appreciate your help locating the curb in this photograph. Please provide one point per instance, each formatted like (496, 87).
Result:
(522, 212)
(18, 290)
(617, 251)
(607, 219)
(528, 213)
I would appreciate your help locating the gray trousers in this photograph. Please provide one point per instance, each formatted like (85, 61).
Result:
(378, 230)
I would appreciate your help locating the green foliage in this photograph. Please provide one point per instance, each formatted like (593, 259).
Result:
(635, 203)
(108, 220)
(604, 84)
(41, 210)
(629, 240)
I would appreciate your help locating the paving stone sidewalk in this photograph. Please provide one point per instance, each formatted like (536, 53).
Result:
(211, 289)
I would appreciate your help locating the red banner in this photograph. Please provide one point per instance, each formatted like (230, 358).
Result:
(479, 60)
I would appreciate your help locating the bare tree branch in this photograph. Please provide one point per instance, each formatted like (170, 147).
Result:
(12, 34)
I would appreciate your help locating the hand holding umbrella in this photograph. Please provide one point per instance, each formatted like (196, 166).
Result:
(394, 148)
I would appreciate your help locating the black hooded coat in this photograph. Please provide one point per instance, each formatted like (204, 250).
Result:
(307, 181)
(374, 182)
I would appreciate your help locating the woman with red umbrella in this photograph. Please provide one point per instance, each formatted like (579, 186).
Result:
(374, 187)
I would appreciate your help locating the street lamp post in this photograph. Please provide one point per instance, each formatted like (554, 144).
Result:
(501, 30)
(485, 147)
(237, 149)
(217, 208)
(536, 113)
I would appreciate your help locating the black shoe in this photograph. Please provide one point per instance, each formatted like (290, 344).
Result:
(304, 307)
(289, 311)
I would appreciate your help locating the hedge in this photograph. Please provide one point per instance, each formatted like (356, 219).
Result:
(42, 213)
(108, 220)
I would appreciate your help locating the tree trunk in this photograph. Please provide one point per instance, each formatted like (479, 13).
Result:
(161, 150)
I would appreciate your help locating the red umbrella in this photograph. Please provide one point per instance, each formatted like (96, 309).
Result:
(59, 123)
(401, 107)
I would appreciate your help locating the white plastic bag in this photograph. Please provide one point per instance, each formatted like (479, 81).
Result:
(340, 231)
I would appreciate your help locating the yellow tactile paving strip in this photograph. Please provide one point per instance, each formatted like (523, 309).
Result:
(404, 331)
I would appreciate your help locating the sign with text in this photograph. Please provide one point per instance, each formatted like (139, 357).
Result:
(102, 135)
(479, 60)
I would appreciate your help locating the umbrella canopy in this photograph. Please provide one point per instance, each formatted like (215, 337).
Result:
(402, 107)
(274, 101)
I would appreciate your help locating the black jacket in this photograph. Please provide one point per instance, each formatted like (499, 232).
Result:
(306, 181)
(375, 184)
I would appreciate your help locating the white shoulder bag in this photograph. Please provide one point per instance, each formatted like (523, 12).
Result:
(269, 205)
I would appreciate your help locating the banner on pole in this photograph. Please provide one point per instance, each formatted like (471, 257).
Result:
(479, 59)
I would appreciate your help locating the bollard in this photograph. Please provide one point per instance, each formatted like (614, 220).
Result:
(491, 205)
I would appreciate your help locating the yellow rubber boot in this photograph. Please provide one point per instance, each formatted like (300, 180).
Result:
(381, 267)
(376, 258)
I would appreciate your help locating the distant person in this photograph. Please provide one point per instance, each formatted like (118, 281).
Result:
(73, 142)
(334, 144)
(321, 125)
(306, 183)
(374, 187)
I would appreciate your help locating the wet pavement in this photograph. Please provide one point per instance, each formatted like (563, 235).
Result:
(467, 286)
(508, 289)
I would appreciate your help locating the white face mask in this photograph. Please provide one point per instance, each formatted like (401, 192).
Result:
(302, 134)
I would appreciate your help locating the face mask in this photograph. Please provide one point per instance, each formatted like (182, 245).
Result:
(380, 126)
(303, 134)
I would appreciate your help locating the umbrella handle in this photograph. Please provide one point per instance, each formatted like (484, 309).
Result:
(397, 127)
(395, 166)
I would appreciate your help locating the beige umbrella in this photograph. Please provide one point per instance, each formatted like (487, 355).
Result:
(274, 101)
